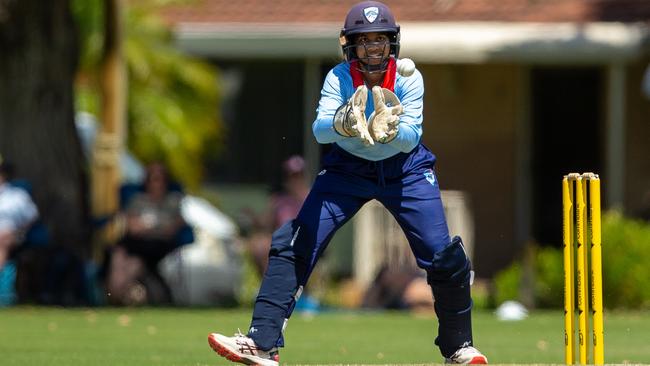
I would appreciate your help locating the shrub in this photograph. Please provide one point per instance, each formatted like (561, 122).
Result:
(507, 284)
(549, 278)
(625, 252)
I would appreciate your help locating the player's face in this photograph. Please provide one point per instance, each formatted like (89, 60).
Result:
(372, 48)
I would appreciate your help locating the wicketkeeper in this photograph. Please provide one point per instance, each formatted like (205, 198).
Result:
(372, 116)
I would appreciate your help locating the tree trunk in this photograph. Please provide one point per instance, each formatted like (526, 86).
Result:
(38, 60)
(110, 140)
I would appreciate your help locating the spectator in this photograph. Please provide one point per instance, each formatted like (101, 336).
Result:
(284, 206)
(17, 212)
(399, 290)
(153, 221)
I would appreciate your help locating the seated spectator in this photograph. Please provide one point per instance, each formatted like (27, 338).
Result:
(284, 205)
(405, 289)
(17, 212)
(153, 221)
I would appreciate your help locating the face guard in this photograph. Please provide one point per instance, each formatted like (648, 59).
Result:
(376, 58)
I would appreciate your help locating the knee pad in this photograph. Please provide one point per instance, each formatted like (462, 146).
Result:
(451, 266)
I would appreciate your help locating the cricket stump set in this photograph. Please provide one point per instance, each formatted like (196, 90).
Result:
(581, 221)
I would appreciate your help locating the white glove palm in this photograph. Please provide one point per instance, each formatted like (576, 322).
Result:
(383, 122)
(350, 118)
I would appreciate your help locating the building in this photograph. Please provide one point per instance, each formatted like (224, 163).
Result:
(518, 93)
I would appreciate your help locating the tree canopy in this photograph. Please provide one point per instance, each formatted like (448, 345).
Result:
(173, 98)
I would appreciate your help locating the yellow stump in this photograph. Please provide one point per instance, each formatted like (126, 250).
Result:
(596, 271)
(581, 273)
(567, 217)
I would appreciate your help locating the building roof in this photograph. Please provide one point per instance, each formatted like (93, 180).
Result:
(307, 11)
(433, 30)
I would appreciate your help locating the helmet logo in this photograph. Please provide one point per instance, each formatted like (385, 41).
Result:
(371, 13)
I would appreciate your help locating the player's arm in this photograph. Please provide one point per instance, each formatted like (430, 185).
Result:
(411, 96)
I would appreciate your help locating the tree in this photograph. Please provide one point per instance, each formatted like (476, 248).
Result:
(173, 99)
(172, 102)
(38, 44)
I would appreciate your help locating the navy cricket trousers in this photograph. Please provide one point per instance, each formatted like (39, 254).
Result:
(405, 184)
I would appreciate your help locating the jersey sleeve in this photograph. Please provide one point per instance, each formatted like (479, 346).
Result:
(411, 94)
(331, 99)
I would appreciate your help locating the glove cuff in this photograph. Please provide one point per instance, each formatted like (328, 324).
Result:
(342, 121)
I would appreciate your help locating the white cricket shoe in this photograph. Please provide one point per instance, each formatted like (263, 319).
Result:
(242, 349)
(467, 355)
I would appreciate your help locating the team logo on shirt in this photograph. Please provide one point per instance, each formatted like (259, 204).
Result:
(430, 176)
(371, 13)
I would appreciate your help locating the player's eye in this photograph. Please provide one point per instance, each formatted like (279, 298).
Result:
(381, 39)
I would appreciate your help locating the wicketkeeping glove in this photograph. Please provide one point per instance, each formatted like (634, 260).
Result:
(383, 123)
(350, 118)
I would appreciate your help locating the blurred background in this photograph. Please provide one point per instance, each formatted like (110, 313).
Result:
(102, 100)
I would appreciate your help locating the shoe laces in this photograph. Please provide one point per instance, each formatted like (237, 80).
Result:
(467, 349)
(239, 333)
(464, 350)
(271, 354)
(460, 352)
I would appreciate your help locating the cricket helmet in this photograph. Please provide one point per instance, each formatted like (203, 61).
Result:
(367, 17)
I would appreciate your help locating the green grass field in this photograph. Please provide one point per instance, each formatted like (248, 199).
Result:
(123, 337)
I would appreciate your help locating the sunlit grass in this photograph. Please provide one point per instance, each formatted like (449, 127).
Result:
(95, 337)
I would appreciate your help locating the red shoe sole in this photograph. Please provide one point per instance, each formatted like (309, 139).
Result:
(224, 352)
(478, 360)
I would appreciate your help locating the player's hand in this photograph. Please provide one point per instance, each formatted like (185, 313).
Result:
(383, 123)
(350, 118)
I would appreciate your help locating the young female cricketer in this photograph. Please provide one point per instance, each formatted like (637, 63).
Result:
(372, 116)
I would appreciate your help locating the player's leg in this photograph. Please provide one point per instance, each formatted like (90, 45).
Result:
(417, 207)
(448, 273)
(295, 249)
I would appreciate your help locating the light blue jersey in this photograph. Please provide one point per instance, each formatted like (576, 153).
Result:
(337, 90)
